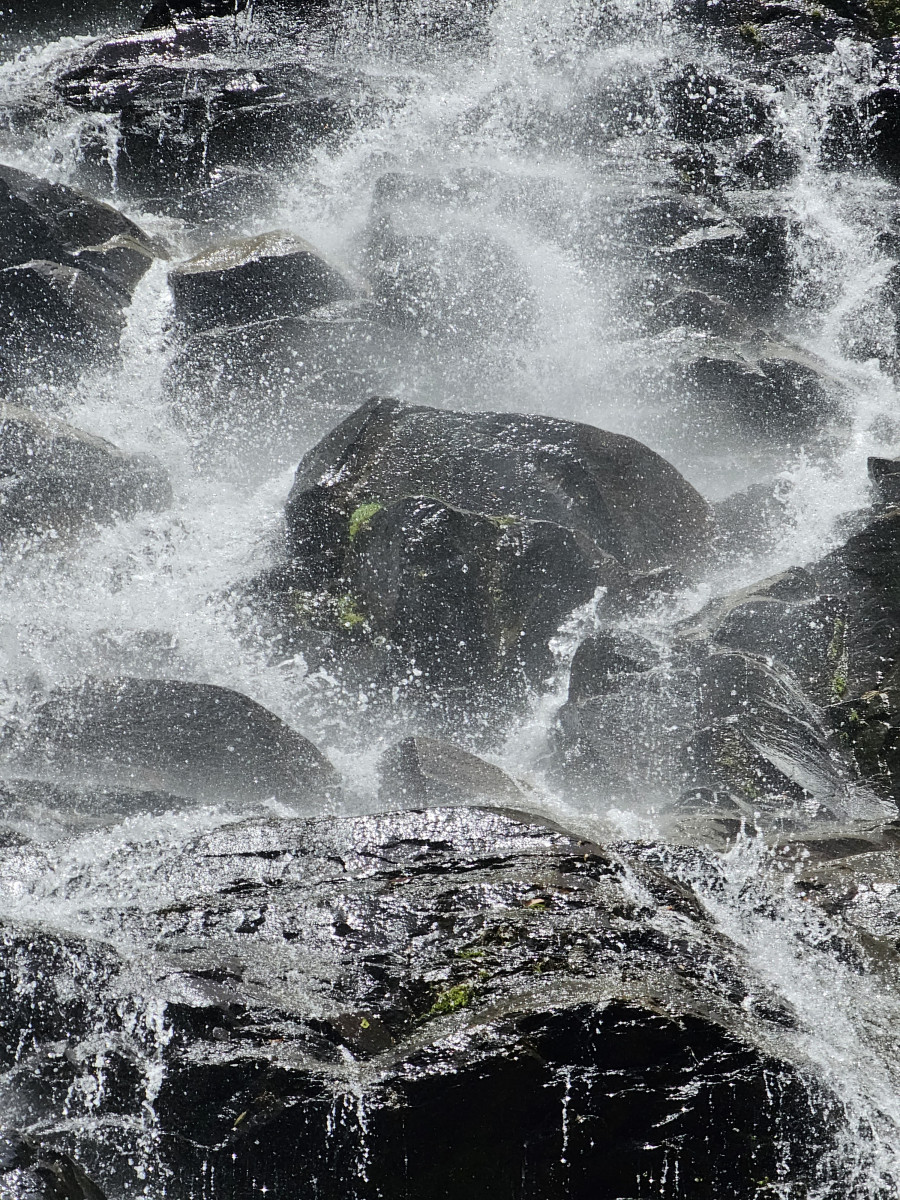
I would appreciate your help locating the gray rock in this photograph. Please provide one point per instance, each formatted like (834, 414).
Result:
(424, 770)
(273, 275)
(55, 479)
(188, 739)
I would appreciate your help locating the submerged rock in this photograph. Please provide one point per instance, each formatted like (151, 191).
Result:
(457, 999)
(186, 739)
(272, 275)
(55, 479)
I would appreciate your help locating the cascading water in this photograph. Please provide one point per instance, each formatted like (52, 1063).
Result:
(538, 157)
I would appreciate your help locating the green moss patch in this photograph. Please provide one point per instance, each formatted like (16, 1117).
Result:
(452, 999)
(361, 517)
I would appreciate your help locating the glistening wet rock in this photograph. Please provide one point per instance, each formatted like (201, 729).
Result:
(68, 267)
(456, 543)
(624, 499)
(272, 275)
(194, 135)
(188, 739)
(33, 1172)
(56, 480)
(452, 999)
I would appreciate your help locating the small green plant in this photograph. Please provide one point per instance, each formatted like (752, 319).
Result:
(471, 952)
(750, 33)
(452, 1000)
(348, 613)
(361, 517)
(887, 16)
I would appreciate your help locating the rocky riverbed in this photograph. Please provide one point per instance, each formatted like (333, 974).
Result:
(450, 602)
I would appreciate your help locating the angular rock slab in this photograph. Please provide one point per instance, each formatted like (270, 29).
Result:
(415, 1005)
(188, 739)
(273, 275)
(55, 479)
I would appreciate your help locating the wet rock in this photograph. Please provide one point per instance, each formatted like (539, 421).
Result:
(602, 659)
(459, 542)
(271, 275)
(423, 770)
(749, 260)
(188, 739)
(456, 998)
(761, 738)
(770, 391)
(768, 162)
(55, 479)
(163, 13)
(703, 107)
(275, 384)
(468, 600)
(34, 1172)
(627, 501)
(752, 517)
(436, 274)
(68, 266)
(192, 136)
(885, 475)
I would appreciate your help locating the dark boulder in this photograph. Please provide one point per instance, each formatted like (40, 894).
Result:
(33, 1172)
(703, 107)
(752, 518)
(195, 137)
(68, 266)
(625, 500)
(457, 999)
(271, 275)
(748, 260)
(885, 476)
(767, 391)
(172, 12)
(462, 540)
(188, 739)
(424, 770)
(55, 480)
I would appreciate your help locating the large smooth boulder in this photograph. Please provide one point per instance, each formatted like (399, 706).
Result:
(55, 479)
(68, 267)
(626, 501)
(272, 275)
(458, 542)
(192, 740)
(461, 1000)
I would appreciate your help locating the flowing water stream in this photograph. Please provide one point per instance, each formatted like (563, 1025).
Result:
(499, 121)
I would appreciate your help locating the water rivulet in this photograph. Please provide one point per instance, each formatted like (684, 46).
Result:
(450, 600)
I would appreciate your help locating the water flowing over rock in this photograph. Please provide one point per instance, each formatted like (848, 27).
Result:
(68, 267)
(502, 802)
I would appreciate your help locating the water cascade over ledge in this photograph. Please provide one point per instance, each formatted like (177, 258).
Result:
(450, 600)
